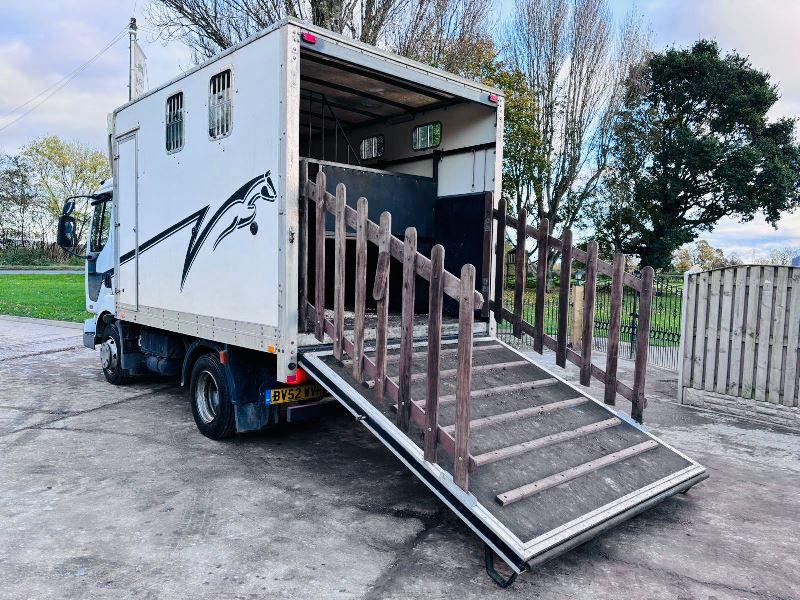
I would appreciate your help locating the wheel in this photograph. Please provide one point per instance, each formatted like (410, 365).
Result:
(110, 356)
(211, 400)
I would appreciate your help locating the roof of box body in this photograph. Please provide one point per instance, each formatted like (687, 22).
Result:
(427, 70)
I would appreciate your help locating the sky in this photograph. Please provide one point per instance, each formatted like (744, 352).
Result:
(41, 41)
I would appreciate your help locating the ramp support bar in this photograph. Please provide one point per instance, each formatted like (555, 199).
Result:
(503, 582)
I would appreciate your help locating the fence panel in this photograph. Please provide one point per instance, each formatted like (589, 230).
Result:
(740, 342)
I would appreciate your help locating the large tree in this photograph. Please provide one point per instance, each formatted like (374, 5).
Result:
(575, 63)
(59, 169)
(692, 145)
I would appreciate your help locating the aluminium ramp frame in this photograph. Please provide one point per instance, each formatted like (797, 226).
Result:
(515, 502)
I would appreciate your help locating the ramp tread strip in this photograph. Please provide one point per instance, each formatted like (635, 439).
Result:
(499, 366)
(548, 440)
(502, 389)
(523, 413)
(444, 352)
(531, 489)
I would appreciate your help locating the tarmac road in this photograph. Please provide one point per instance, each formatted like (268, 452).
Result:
(110, 492)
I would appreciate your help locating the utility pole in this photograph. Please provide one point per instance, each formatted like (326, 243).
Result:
(131, 58)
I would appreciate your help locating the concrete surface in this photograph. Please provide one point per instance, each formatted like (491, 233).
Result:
(110, 492)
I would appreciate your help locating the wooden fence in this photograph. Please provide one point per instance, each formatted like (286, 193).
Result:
(582, 356)
(741, 327)
(371, 366)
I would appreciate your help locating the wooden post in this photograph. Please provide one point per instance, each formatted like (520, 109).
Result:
(407, 329)
(339, 268)
(381, 294)
(436, 290)
(614, 325)
(302, 235)
(563, 297)
(541, 284)
(464, 377)
(361, 289)
(521, 272)
(577, 316)
(642, 342)
(486, 270)
(319, 262)
(500, 262)
(590, 293)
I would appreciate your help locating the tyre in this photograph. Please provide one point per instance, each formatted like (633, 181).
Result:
(110, 356)
(211, 399)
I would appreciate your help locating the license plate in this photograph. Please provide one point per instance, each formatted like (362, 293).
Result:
(296, 393)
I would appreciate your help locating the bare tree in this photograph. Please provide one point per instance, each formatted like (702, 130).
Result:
(576, 65)
(451, 34)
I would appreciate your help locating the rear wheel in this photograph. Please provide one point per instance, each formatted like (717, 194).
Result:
(211, 401)
(111, 356)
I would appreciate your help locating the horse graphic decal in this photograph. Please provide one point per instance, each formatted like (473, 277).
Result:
(242, 205)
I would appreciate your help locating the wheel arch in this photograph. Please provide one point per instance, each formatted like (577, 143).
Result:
(195, 350)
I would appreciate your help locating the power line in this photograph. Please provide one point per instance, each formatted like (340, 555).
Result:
(53, 89)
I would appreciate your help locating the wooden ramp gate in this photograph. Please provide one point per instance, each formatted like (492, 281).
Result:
(530, 462)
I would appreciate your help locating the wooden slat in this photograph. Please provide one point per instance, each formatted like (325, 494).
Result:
(435, 298)
(642, 343)
(319, 261)
(360, 307)
(614, 325)
(700, 328)
(488, 367)
(764, 332)
(500, 262)
(407, 329)
(589, 295)
(565, 277)
(724, 325)
(382, 296)
(779, 309)
(502, 389)
(577, 316)
(526, 491)
(790, 386)
(737, 332)
(548, 440)
(464, 381)
(751, 331)
(340, 240)
(486, 269)
(518, 415)
(450, 349)
(712, 318)
(302, 247)
(543, 238)
(520, 277)
(687, 331)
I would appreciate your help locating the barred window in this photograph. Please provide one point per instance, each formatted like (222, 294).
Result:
(427, 136)
(175, 122)
(219, 105)
(372, 147)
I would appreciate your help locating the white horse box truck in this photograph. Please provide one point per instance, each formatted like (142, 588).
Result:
(304, 217)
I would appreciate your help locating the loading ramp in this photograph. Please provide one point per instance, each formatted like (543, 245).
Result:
(531, 463)
(553, 466)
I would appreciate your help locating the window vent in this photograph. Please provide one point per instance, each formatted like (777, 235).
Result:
(427, 136)
(372, 147)
(219, 105)
(174, 122)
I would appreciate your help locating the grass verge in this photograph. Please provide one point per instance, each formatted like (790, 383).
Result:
(59, 297)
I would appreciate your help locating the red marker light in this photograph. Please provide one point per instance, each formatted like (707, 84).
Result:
(299, 377)
(308, 38)
(494, 98)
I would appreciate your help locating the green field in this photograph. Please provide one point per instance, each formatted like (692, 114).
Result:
(59, 297)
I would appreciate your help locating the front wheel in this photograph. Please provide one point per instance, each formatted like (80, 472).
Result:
(111, 356)
(211, 401)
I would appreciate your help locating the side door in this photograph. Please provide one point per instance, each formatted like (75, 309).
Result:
(126, 198)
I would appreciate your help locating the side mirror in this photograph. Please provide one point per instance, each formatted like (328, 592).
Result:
(66, 232)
